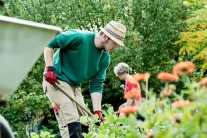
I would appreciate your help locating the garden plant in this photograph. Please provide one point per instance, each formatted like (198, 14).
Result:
(168, 115)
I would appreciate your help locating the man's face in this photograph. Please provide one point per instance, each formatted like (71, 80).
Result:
(110, 45)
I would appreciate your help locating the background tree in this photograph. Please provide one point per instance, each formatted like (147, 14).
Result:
(193, 41)
(152, 27)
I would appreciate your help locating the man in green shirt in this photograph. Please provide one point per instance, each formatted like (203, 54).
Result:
(81, 56)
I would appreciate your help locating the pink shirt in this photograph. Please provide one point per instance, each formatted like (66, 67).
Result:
(129, 85)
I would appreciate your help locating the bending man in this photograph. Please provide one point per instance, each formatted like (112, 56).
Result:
(81, 56)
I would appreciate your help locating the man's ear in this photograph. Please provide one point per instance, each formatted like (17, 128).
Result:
(105, 38)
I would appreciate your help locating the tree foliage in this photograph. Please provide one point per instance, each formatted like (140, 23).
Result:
(152, 27)
(193, 41)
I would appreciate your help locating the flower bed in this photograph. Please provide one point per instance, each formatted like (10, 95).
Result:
(168, 115)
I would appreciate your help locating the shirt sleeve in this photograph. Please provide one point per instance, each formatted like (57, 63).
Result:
(96, 83)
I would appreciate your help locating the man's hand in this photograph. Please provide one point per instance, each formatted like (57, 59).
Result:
(50, 75)
(99, 113)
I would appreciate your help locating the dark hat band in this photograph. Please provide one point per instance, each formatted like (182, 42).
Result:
(115, 28)
(115, 35)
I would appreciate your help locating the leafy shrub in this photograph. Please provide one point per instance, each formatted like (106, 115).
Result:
(168, 115)
(43, 134)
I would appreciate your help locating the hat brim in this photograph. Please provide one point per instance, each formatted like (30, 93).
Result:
(112, 37)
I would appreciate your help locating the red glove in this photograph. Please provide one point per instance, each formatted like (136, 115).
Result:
(50, 75)
(99, 113)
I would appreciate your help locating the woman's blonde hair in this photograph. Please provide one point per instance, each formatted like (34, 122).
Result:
(121, 68)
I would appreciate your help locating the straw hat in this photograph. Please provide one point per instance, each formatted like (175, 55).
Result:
(115, 31)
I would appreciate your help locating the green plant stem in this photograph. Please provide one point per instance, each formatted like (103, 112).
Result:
(177, 96)
(146, 89)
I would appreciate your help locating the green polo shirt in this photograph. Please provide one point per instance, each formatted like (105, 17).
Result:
(77, 60)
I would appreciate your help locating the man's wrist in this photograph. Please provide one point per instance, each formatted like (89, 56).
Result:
(50, 68)
(97, 112)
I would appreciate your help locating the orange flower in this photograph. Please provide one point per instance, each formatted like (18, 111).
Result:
(162, 95)
(167, 76)
(177, 117)
(180, 103)
(150, 134)
(161, 104)
(133, 93)
(128, 109)
(203, 83)
(185, 67)
(141, 77)
(168, 91)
